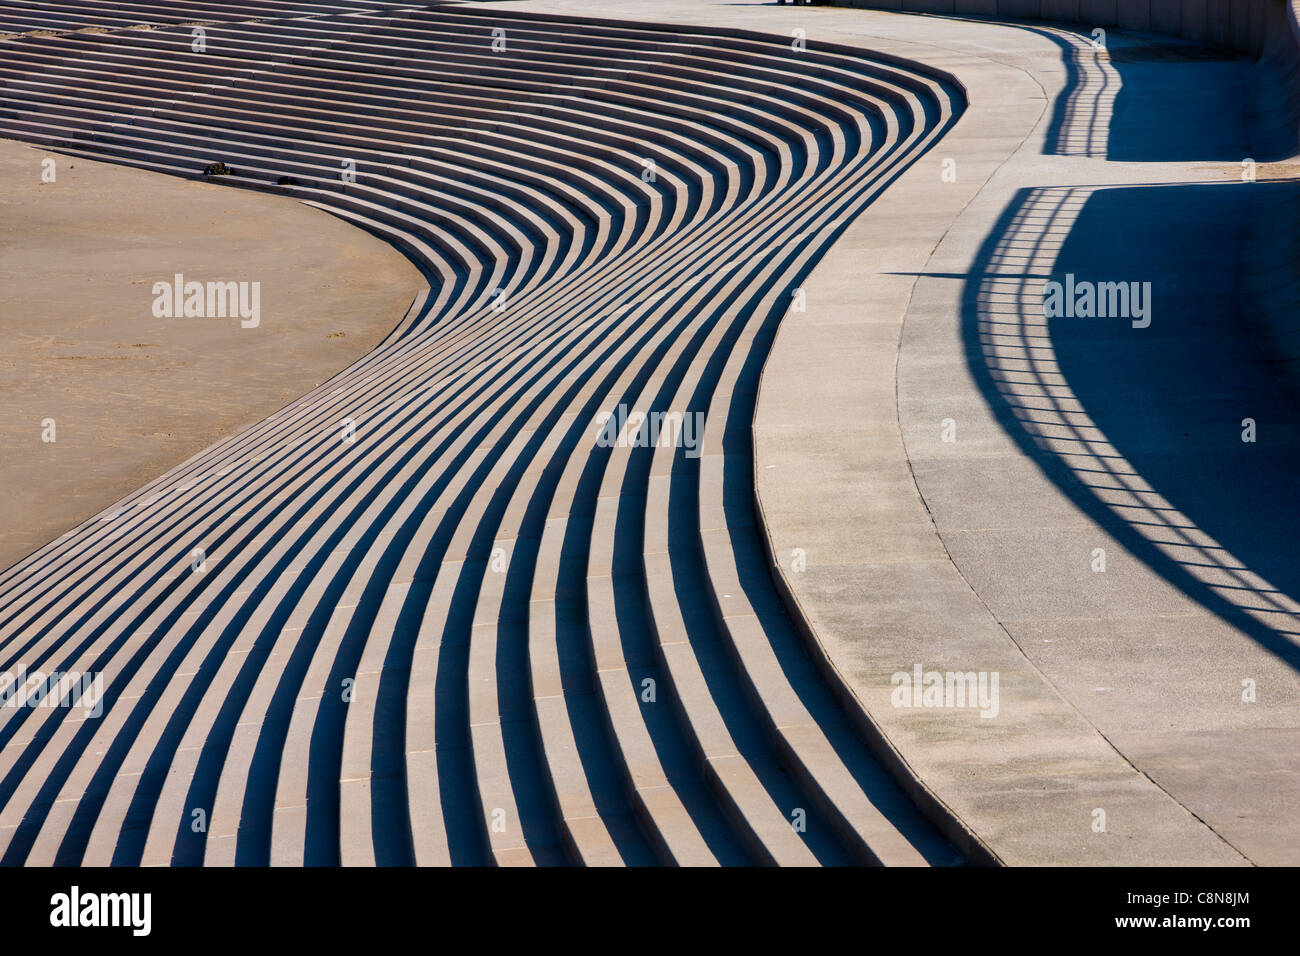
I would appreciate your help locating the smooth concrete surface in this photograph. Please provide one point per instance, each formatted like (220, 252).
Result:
(501, 587)
(1241, 24)
(471, 630)
(1121, 689)
(1264, 30)
(1101, 440)
(131, 395)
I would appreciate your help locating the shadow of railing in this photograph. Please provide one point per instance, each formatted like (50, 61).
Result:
(1143, 427)
(1148, 99)
(1231, 33)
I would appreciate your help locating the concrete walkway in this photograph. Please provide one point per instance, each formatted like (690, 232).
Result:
(1041, 451)
(471, 629)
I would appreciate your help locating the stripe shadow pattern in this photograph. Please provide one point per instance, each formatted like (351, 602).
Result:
(446, 613)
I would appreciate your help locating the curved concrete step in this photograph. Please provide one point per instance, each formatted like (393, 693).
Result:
(427, 643)
(874, 590)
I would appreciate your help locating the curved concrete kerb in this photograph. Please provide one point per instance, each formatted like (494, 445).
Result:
(857, 548)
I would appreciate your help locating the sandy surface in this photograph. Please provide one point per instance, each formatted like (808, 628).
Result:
(132, 395)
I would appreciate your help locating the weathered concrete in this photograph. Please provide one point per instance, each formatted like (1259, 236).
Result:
(501, 585)
(1121, 691)
(499, 581)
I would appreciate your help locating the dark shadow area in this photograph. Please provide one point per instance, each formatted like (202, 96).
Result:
(1167, 402)
(1137, 97)
(1151, 99)
(1144, 97)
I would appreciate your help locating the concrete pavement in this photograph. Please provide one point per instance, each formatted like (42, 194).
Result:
(948, 482)
(1122, 692)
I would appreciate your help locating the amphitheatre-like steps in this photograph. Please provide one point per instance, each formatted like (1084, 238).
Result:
(439, 618)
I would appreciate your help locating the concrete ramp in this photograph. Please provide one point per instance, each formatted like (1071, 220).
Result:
(1075, 497)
